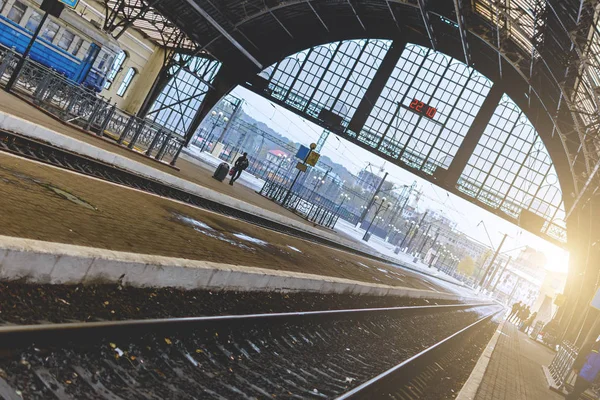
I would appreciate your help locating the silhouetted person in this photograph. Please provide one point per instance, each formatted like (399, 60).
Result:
(515, 310)
(240, 165)
(587, 367)
(527, 324)
(523, 314)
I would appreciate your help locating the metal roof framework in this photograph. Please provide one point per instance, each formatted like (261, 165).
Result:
(550, 49)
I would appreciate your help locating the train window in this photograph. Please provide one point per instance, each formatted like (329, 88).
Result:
(66, 40)
(114, 69)
(33, 21)
(77, 46)
(131, 72)
(49, 31)
(102, 61)
(16, 12)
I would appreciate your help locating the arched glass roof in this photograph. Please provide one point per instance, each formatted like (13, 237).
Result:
(510, 169)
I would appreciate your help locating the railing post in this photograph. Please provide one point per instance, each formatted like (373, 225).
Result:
(90, 121)
(8, 57)
(126, 129)
(137, 134)
(40, 91)
(163, 148)
(153, 143)
(176, 156)
(106, 121)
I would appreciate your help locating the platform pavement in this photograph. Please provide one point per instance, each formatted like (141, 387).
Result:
(510, 369)
(191, 175)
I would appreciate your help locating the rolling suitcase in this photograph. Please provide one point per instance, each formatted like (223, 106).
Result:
(221, 172)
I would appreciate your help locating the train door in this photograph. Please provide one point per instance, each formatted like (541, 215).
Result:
(86, 63)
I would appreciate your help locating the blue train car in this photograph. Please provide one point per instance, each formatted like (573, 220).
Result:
(70, 45)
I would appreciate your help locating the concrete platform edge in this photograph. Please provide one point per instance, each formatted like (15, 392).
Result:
(29, 129)
(471, 386)
(55, 263)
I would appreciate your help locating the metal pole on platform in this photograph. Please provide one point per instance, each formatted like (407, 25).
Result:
(487, 271)
(19, 67)
(287, 195)
(366, 210)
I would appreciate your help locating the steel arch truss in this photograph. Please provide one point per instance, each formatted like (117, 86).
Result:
(509, 170)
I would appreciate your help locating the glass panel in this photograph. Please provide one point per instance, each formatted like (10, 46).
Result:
(115, 69)
(510, 169)
(178, 103)
(77, 46)
(33, 21)
(66, 39)
(16, 12)
(49, 31)
(126, 81)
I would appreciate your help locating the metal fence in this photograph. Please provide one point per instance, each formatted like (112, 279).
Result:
(301, 204)
(562, 365)
(77, 105)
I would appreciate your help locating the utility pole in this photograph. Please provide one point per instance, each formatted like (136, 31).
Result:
(366, 210)
(487, 271)
(501, 273)
(416, 230)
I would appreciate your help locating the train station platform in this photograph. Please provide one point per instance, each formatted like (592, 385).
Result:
(189, 169)
(510, 368)
(63, 227)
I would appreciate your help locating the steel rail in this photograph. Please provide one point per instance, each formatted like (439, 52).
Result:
(48, 154)
(392, 380)
(83, 332)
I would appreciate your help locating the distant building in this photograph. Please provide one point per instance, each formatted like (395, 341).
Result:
(277, 156)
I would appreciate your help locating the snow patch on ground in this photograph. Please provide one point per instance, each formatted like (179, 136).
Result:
(250, 239)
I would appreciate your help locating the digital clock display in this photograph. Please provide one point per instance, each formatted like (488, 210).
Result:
(423, 109)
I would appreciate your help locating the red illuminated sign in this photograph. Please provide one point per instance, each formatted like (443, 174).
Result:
(423, 109)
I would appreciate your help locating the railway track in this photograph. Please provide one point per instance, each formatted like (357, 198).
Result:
(344, 354)
(46, 153)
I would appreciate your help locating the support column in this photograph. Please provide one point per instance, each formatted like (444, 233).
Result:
(225, 80)
(377, 85)
(576, 317)
(460, 160)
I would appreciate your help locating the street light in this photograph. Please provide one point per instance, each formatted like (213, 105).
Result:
(344, 197)
(282, 159)
(218, 120)
(381, 203)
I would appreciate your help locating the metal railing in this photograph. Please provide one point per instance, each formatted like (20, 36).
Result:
(77, 105)
(561, 366)
(300, 204)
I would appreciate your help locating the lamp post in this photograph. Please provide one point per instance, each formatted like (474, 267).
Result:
(344, 197)
(380, 204)
(427, 237)
(282, 159)
(218, 120)
(411, 225)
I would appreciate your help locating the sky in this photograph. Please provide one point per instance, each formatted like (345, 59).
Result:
(354, 158)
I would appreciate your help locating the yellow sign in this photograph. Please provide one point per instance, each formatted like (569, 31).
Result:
(301, 167)
(313, 158)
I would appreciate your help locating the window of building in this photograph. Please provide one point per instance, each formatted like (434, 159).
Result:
(33, 21)
(126, 81)
(66, 40)
(78, 43)
(16, 12)
(115, 69)
(101, 61)
(49, 31)
(2, 2)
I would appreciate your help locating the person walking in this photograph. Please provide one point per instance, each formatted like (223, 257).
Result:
(525, 326)
(587, 368)
(240, 165)
(523, 315)
(515, 310)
